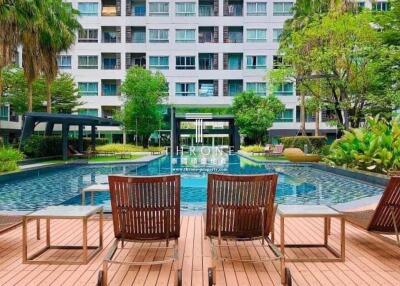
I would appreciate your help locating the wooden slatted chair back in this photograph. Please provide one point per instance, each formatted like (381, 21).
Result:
(387, 214)
(145, 208)
(238, 202)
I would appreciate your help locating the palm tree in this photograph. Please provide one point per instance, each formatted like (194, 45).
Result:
(59, 35)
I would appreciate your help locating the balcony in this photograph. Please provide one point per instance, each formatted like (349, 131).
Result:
(111, 34)
(208, 87)
(136, 34)
(135, 8)
(208, 8)
(233, 8)
(135, 59)
(208, 61)
(208, 35)
(109, 111)
(110, 87)
(111, 61)
(233, 87)
(233, 61)
(110, 8)
(233, 34)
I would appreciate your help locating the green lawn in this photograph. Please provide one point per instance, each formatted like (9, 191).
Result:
(269, 158)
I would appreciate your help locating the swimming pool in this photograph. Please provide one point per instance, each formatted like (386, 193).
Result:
(297, 184)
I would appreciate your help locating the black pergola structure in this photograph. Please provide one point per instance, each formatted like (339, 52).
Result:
(32, 119)
(232, 131)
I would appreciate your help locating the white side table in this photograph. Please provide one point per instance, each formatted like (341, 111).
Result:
(66, 213)
(312, 211)
(93, 189)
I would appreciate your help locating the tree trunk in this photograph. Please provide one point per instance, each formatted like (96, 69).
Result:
(317, 123)
(30, 99)
(145, 142)
(302, 115)
(48, 90)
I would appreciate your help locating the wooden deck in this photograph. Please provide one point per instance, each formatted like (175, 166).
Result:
(369, 260)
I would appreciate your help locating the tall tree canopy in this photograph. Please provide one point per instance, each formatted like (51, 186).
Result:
(144, 92)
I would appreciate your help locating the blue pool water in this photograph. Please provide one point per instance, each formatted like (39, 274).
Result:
(296, 185)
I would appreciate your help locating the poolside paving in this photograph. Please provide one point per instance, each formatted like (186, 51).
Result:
(369, 260)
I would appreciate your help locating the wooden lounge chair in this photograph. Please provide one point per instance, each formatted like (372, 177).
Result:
(297, 155)
(384, 218)
(242, 208)
(144, 209)
(277, 150)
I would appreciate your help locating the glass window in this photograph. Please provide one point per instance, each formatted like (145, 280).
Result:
(109, 88)
(88, 8)
(158, 8)
(88, 111)
(206, 10)
(185, 89)
(277, 34)
(234, 62)
(257, 9)
(256, 62)
(283, 8)
(185, 36)
(285, 116)
(110, 35)
(4, 112)
(64, 62)
(88, 36)
(185, 63)
(284, 89)
(235, 87)
(206, 61)
(139, 9)
(185, 9)
(158, 35)
(87, 62)
(259, 88)
(159, 62)
(256, 35)
(88, 88)
(235, 35)
(380, 6)
(139, 35)
(206, 88)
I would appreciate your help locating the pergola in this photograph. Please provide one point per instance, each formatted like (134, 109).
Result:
(32, 119)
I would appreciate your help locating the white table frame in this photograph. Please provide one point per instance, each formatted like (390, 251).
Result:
(93, 189)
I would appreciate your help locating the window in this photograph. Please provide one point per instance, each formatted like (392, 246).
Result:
(87, 62)
(138, 34)
(88, 8)
(257, 9)
(234, 35)
(185, 89)
(283, 8)
(235, 61)
(185, 9)
(259, 88)
(208, 35)
(380, 6)
(206, 61)
(206, 8)
(278, 62)
(88, 111)
(185, 36)
(159, 62)
(135, 59)
(208, 88)
(256, 62)
(64, 62)
(158, 8)
(284, 89)
(235, 87)
(88, 88)
(256, 35)
(109, 88)
(4, 112)
(285, 116)
(88, 36)
(111, 61)
(111, 34)
(233, 8)
(185, 63)
(276, 35)
(158, 36)
(138, 8)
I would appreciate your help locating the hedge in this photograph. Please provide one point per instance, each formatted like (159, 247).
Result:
(315, 144)
(45, 146)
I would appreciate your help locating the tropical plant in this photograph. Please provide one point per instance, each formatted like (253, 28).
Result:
(375, 147)
(144, 93)
(253, 148)
(255, 114)
(9, 158)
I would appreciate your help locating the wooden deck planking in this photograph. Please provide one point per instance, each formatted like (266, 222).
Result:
(369, 260)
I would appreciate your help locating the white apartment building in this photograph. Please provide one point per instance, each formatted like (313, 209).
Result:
(209, 50)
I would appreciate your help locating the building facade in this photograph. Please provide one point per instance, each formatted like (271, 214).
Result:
(209, 50)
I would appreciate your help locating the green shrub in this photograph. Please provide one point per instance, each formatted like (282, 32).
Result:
(314, 143)
(38, 146)
(253, 148)
(9, 158)
(375, 147)
(116, 148)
